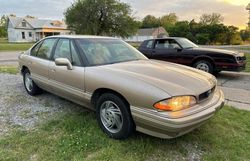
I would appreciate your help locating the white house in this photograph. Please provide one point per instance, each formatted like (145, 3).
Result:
(29, 29)
(147, 33)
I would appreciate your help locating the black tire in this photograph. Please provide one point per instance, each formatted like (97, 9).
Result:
(34, 90)
(127, 127)
(204, 65)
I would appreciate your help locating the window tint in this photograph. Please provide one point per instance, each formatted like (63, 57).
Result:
(46, 48)
(166, 44)
(75, 58)
(62, 49)
(149, 44)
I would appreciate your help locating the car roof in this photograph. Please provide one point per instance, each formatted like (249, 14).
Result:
(167, 38)
(81, 37)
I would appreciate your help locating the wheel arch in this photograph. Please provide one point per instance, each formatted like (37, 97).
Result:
(203, 57)
(23, 68)
(100, 91)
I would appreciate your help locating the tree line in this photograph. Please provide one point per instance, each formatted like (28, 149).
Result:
(209, 30)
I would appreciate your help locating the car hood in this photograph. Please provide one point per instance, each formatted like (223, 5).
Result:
(174, 79)
(200, 49)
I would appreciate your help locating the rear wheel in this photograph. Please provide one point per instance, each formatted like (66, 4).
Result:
(204, 65)
(114, 117)
(29, 84)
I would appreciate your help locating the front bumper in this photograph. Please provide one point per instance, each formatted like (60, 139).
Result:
(232, 67)
(171, 125)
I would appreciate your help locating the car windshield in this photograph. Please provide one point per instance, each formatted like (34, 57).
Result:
(108, 51)
(185, 43)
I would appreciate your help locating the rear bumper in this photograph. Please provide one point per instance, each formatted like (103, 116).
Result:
(163, 125)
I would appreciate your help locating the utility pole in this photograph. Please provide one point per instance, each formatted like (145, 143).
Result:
(248, 9)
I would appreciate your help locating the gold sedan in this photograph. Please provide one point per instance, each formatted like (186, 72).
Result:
(128, 91)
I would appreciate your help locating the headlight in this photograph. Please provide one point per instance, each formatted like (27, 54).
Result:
(175, 103)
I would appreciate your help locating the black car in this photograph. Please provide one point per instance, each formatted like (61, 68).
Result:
(183, 51)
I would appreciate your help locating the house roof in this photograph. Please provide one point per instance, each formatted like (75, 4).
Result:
(151, 31)
(38, 23)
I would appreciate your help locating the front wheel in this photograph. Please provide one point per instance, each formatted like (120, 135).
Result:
(29, 84)
(114, 117)
(204, 65)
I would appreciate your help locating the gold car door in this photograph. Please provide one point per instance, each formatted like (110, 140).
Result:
(68, 83)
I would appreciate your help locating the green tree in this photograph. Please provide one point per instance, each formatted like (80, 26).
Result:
(180, 29)
(101, 17)
(168, 21)
(3, 26)
(150, 21)
(245, 35)
(211, 19)
(202, 38)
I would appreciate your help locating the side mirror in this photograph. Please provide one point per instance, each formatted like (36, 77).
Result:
(63, 62)
(178, 48)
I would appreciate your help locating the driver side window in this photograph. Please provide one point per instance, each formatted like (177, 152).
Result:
(166, 44)
(62, 49)
(66, 49)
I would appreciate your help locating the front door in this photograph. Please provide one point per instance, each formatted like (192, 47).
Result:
(67, 83)
(166, 50)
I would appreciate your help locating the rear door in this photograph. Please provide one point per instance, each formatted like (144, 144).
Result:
(166, 50)
(39, 62)
(68, 83)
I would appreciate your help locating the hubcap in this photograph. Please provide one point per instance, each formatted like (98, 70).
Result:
(111, 116)
(28, 82)
(203, 66)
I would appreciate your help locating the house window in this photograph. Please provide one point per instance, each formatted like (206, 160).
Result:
(30, 34)
(23, 35)
(23, 24)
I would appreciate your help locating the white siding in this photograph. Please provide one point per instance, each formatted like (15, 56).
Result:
(138, 38)
(15, 35)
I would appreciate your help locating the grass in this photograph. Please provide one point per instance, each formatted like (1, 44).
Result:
(8, 69)
(248, 63)
(78, 137)
(6, 46)
(15, 46)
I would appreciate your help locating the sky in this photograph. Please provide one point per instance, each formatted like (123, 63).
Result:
(233, 11)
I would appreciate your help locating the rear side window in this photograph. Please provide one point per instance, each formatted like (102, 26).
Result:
(45, 50)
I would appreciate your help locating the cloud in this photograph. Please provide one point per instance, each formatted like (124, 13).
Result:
(53, 9)
(191, 9)
(234, 13)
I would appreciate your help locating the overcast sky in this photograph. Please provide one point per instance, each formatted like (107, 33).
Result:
(233, 11)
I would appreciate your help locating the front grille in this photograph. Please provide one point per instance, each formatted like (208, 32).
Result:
(206, 94)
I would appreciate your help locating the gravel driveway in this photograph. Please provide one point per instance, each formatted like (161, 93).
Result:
(18, 110)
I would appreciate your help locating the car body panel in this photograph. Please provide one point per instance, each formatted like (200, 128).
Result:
(141, 82)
